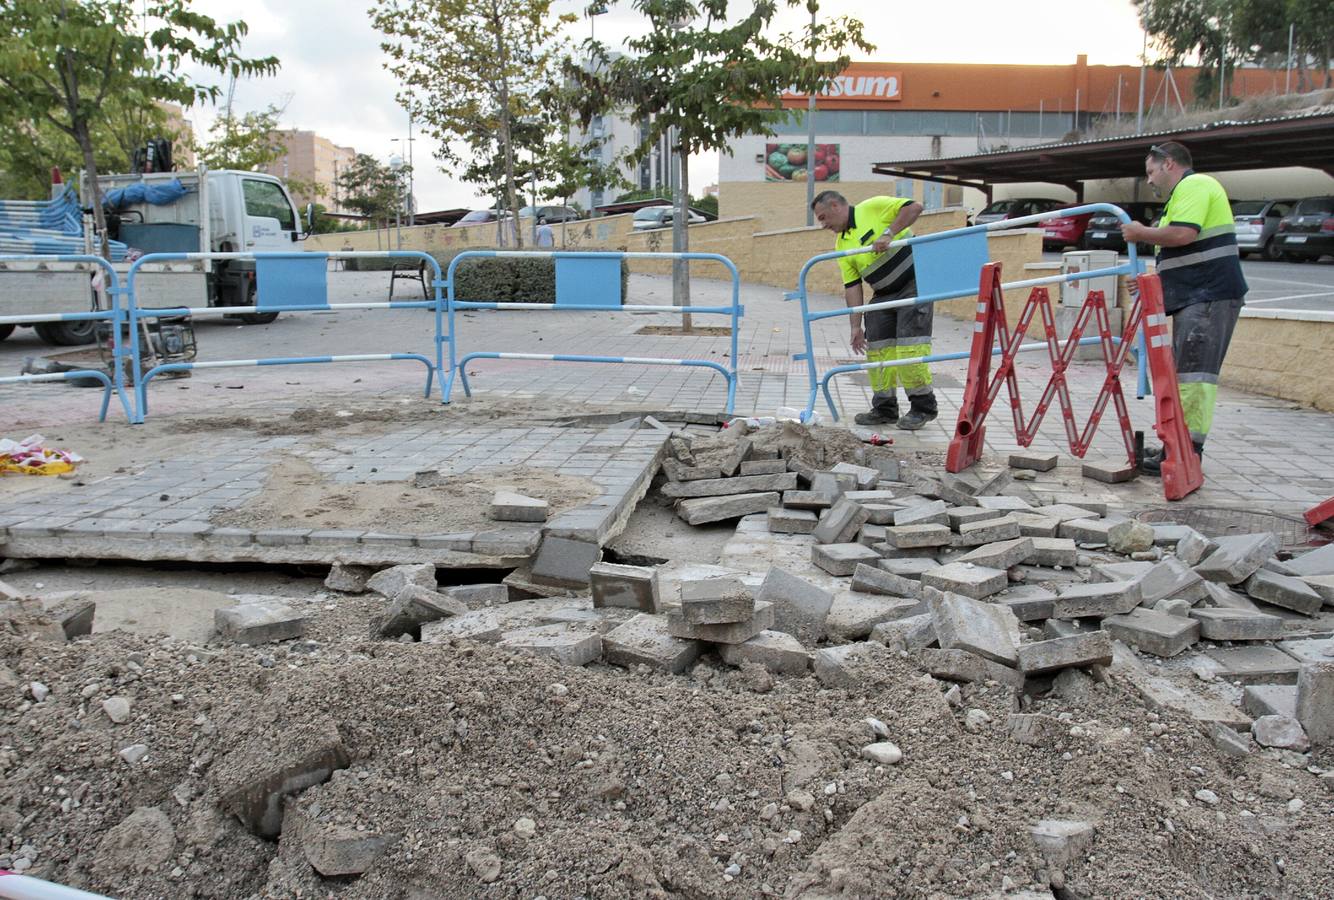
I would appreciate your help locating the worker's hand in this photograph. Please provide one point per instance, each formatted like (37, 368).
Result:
(881, 244)
(1134, 232)
(858, 339)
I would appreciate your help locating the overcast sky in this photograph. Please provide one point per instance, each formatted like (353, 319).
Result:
(334, 81)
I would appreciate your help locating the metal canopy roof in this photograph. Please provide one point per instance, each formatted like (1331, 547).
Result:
(1305, 140)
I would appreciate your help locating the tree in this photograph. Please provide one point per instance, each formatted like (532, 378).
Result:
(247, 143)
(1203, 30)
(1265, 23)
(371, 188)
(565, 167)
(471, 70)
(701, 82)
(63, 60)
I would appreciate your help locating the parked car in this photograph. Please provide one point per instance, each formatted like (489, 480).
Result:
(476, 217)
(661, 217)
(552, 214)
(1308, 231)
(1257, 223)
(1015, 208)
(1065, 231)
(1104, 229)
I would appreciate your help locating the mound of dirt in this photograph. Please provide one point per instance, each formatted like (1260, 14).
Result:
(297, 495)
(476, 770)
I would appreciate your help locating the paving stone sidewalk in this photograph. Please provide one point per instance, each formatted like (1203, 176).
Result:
(1264, 454)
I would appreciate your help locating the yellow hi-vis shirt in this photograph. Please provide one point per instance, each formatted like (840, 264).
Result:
(885, 272)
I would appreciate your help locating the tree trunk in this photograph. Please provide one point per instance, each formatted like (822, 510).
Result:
(85, 142)
(681, 238)
(506, 140)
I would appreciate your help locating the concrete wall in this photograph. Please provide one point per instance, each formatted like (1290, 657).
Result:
(1285, 354)
(609, 233)
(781, 204)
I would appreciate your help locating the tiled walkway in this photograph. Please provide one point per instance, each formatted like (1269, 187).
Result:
(1263, 454)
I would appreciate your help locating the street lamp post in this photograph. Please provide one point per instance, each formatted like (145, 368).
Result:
(396, 166)
(412, 196)
(810, 138)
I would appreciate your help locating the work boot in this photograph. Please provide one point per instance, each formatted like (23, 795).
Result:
(915, 419)
(878, 415)
(1152, 463)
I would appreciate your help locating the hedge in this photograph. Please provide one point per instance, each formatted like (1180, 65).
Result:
(492, 279)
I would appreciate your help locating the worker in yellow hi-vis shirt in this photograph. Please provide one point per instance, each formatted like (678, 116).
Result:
(889, 334)
(1203, 286)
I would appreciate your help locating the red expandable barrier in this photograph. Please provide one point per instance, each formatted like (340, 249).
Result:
(1320, 513)
(1181, 469)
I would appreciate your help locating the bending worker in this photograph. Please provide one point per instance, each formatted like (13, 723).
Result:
(889, 334)
(1203, 287)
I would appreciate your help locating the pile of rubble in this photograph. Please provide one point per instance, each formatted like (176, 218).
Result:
(1061, 698)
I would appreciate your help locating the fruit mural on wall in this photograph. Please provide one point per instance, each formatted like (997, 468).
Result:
(788, 162)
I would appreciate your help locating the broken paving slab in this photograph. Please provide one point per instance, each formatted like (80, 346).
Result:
(564, 562)
(624, 587)
(801, 609)
(932, 512)
(840, 523)
(854, 615)
(413, 607)
(984, 629)
(1270, 700)
(987, 531)
(1315, 702)
(1001, 554)
(844, 666)
(1053, 552)
(1254, 665)
(842, 559)
(1314, 562)
(1153, 632)
(761, 619)
(1238, 557)
(961, 514)
(1097, 599)
(911, 633)
(391, 582)
(909, 567)
(263, 767)
(716, 601)
(873, 579)
(259, 620)
(719, 487)
(645, 640)
(1163, 692)
(569, 646)
(1081, 650)
(972, 581)
(907, 537)
(1028, 602)
(782, 520)
(1286, 591)
(1219, 624)
(960, 665)
(1036, 462)
(508, 506)
(814, 501)
(703, 510)
(778, 652)
(1171, 579)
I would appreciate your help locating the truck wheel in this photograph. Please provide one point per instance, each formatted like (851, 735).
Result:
(66, 334)
(6, 331)
(254, 318)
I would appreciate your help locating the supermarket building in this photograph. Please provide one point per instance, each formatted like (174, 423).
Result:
(878, 112)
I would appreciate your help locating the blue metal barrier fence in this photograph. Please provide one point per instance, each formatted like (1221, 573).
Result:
(287, 282)
(578, 274)
(116, 315)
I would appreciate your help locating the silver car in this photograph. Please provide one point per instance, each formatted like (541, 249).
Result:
(1257, 222)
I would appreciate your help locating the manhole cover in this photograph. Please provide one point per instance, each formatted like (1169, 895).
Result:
(1218, 521)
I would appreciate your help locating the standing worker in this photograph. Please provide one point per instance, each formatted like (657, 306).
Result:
(890, 334)
(1203, 286)
(545, 236)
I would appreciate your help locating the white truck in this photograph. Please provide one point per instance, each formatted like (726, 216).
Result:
(223, 211)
